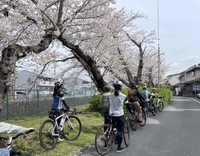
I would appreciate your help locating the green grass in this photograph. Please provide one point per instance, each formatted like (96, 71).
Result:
(90, 123)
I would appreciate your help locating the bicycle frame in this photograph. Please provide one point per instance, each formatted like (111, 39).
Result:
(158, 100)
(8, 140)
(63, 118)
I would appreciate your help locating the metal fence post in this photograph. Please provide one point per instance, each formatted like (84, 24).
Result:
(7, 107)
(38, 102)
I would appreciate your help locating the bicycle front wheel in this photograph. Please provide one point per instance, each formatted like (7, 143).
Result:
(144, 118)
(160, 106)
(72, 128)
(103, 139)
(47, 141)
(132, 121)
(126, 134)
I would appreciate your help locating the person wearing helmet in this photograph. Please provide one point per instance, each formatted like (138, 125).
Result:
(116, 110)
(59, 101)
(145, 93)
(134, 97)
(153, 93)
(152, 96)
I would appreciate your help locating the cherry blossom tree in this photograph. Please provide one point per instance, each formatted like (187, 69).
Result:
(31, 26)
(91, 30)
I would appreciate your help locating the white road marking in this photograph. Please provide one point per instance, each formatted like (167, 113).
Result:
(195, 100)
(152, 121)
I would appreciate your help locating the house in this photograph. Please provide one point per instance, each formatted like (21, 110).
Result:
(186, 83)
(190, 81)
(173, 80)
(78, 86)
(26, 80)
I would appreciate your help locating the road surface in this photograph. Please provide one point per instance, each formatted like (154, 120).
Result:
(173, 132)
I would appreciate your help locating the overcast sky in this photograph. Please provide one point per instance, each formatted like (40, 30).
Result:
(179, 27)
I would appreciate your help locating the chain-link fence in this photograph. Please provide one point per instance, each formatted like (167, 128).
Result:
(21, 103)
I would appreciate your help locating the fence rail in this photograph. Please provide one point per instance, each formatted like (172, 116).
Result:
(21, 103)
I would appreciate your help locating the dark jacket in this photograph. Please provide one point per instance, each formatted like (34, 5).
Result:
(137, 97)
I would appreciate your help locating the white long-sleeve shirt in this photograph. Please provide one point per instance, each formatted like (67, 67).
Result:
(116, 104)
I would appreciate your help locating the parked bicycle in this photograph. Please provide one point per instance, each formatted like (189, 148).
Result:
(106, 135)
(68, 129)
(7, 143)
(133, 116)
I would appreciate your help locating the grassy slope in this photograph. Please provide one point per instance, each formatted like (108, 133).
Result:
(90, 123)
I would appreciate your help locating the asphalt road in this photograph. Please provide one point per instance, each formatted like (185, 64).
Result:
(173, 132)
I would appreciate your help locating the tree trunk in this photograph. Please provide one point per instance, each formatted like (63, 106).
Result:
(11, 54)
(88, 63)
(140, 68)
(150, 79)
(7, 67)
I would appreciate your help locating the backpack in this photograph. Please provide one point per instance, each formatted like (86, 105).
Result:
(105, 101)
(144, 94)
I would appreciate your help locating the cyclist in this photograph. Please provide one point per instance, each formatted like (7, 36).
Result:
(116, 111)
(145, 93)
(152, 96)
(59, 101)
(134, 97)
(105, 103)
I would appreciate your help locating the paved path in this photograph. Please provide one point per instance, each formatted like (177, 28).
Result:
(173, 132)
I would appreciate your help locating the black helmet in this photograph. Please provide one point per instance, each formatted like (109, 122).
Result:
(144, 87)
(133, 85)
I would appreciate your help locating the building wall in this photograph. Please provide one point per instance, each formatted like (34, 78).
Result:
(22, 80)
(197, 73)
(173, 80)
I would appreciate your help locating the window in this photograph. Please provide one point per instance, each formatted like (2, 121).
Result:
(192, 73)
(188, 75)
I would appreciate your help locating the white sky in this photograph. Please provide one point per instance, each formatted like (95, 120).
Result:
(179, 27)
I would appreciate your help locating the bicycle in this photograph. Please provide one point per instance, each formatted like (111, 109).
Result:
(133, 116)
(69, 129)
(151, 106)
(6, 143)
(106, 136)
(159, 105)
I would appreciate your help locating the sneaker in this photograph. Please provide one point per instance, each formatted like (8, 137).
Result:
(141, 122)
(30, 130)
(60, 139)
(105, 146)
(120, 149)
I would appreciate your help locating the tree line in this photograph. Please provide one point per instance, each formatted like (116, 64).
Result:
(97, 38)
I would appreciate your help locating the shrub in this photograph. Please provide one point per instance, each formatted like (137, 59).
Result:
(95, 104)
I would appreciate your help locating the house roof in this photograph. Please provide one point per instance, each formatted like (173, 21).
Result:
(173, 75)
(189, 82)
(190, 69)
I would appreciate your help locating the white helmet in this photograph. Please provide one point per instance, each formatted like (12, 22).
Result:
(117, 83)
(58, 82)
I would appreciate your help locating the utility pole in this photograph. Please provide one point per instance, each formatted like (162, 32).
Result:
(158, 43)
